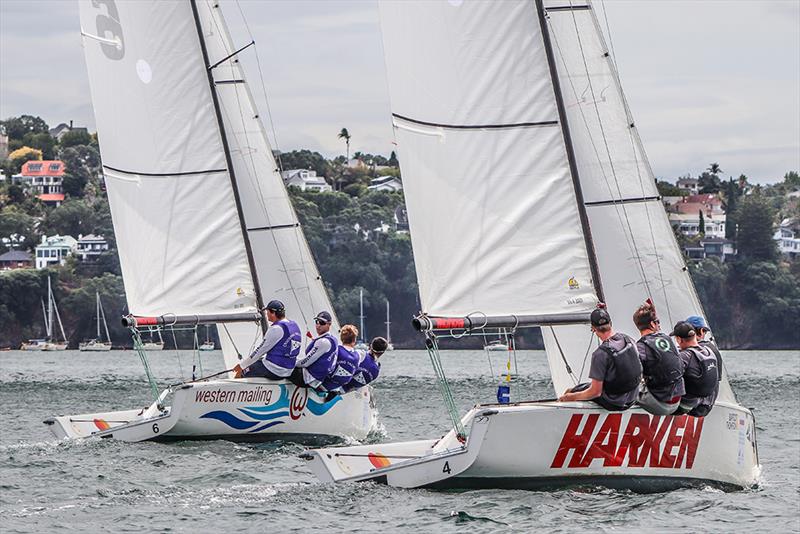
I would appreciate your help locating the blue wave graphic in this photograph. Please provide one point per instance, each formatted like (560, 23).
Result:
(262, 416)
(263, 427)
(229, 419)
(282, 402)
(319, 408)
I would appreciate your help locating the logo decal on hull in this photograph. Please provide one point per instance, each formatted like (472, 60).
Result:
(281, 411)
(646, 441)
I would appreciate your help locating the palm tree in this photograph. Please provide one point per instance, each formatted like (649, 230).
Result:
(714, 168)
(344, 134)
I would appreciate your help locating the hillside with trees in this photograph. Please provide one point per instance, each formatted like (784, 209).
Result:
(359, 239)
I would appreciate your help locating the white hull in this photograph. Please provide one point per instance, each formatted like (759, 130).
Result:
(94, 346)
(551, 444)
(46, 346)
(251, 409)
(153, 345)
(496, 347)
(207, 347)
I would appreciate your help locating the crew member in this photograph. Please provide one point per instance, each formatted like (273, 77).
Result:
(615, 372)
(700, 376)
(346, 363)
(321, 354)
(276, 356)
(368, 365)
(702, 329)
(662, 366)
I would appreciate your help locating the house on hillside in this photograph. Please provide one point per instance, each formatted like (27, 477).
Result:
(15, 259)
(90, 247)
(45, 179)
(54, 250)
(688, 184)
(689, 224)
(401, 219)
(711, 247)
(711, 205)
(62, 129)
(788, 237)
(305, 180)
(386, 183)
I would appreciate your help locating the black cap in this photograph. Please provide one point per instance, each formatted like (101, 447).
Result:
(379, 345)
(275, 306)
(324, 317)
(683, 330)
(600, 317)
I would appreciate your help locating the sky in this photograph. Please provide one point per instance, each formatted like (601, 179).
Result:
(707, 80)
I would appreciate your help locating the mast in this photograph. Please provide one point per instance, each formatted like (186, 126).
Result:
(229, 162)
(44, 317)
(97, 311)
(361, 316)
(49, 309)
(573, 167)
(388, 323)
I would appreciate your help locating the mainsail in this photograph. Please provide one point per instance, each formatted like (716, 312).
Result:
(499, 229)
(492, 204)
(203, 222)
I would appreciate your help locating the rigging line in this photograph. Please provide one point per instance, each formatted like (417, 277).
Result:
(608, 32)
(594, 145)
(177, 355)
(227, 43)
(586, 354)
(608, 151)
(563, 357)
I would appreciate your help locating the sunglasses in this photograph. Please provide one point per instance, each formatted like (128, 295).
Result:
(320, 322)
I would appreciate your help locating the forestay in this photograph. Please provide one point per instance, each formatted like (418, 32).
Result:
(636, 250)
(491, 202)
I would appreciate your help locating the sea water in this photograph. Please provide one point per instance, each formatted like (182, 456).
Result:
(96, 485)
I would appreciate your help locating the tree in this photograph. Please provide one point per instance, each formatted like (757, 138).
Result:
(73, 217)
(344, 134)
(75, 138)
(792, 179)
(666, 189)
(18, 225)
(754, 218)
(305, 159)
(19, 157)
(17, 127)
(393, 160)
(702, 226)
(714, 169)
(74, 183)
(731, 193)
(708, 183)
(42, 141)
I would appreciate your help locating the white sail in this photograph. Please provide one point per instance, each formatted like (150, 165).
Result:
(180, 243)
(284, 265)
(636, 250)
(491, 202)
(182, 240)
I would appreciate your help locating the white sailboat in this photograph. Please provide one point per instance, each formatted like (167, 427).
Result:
(362, 344)
(97, 344)
(153, 345)
(521, 124)
(208, 344)
(388, 331)
(51, 312)
(205, 229)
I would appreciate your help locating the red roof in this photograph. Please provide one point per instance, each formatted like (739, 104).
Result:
(52, 197)
(709, 198)
(43, 168)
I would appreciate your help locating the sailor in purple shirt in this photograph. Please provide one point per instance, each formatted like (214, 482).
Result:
(368, 366)
(275, 357)
(321, 354)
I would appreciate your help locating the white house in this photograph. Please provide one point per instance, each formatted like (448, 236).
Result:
(386, 183)
(54, 250)
(688, 184)
(689, 224)
(305, 180)
(788, 237)
(90, 247)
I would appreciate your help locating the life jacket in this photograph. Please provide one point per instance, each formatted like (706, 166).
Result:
(325, 364)
(281, 358)
(706, 383)
(627, 367)
(346, 365)
(713, 347)
(368, 370)
(666, 367)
